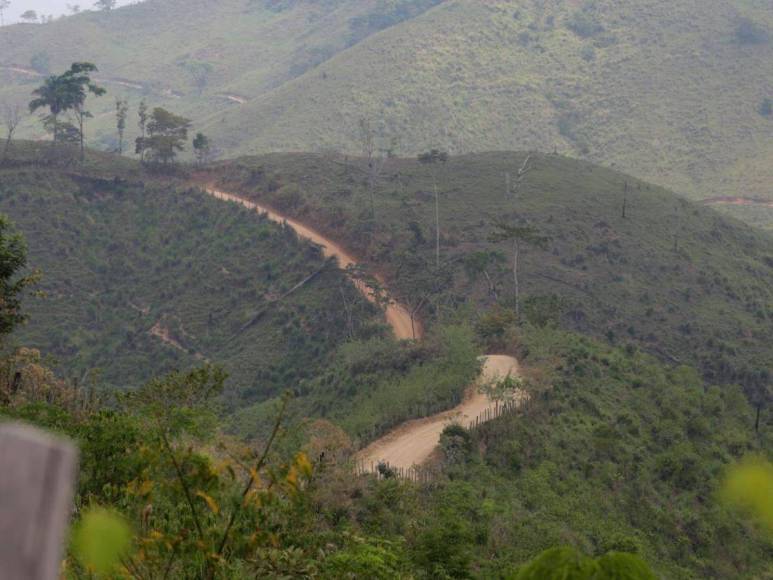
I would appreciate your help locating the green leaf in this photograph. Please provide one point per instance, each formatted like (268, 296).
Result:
(100, 539)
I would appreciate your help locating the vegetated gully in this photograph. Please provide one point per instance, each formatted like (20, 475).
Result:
(413, 442)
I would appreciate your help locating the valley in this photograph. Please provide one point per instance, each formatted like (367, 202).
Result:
(387, 289)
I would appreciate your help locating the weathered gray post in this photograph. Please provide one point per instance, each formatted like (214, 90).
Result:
(37, 478)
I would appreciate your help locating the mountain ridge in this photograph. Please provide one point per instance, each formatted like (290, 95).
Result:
(617, 83)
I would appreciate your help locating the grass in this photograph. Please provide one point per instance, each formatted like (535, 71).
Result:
(121, 257)
(371, 386)
(620, 453)
(707, 302)
(664, 90)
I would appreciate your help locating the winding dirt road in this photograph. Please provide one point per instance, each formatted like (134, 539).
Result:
(413, 442)
(397, 315)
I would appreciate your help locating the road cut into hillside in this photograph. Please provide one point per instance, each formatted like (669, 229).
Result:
(397, 315)
(413, 442)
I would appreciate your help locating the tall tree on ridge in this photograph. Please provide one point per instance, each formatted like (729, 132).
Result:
(121, 112)
(202, 147)
(518, 235)
(375, 158)
(67, 92)
(432, 159)
(142, 123)
(11, 118)
(80, 85)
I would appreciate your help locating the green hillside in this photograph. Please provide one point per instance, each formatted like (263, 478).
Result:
(142, 276)
(617, 451)
(620, 453)
(669, 91)
(678, 279)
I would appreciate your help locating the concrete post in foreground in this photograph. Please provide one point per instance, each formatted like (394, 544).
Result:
(37, 479)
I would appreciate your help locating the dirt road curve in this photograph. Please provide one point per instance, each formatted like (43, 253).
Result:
(397, 315)
(413, 442)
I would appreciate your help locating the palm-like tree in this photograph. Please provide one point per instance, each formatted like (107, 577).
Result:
(53, 94)
(67, 92)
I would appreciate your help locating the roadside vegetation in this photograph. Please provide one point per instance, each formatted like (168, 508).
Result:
(601, 252)
(142, 275)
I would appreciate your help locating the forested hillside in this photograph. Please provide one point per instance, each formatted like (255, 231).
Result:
(388, 289)
(673, 92)
(608, 255)
(618, 453)
(142, 275)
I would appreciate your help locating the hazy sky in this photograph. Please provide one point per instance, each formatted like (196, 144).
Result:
(55, 7)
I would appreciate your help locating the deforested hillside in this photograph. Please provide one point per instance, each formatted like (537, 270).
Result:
(673, 92)
(605, 253)
(141, 275)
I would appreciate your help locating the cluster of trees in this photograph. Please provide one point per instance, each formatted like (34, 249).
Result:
(67, 93)
(163, 134)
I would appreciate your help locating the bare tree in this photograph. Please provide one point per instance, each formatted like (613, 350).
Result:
(376, 158)
(432, 159)
(518, 235)
(525, 168)
(11, 119)
(121, 112)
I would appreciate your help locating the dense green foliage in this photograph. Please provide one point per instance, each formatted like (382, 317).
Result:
(678, 279)
(13, 258)
(371, 386)
(141, 277)
(668, 90)
(618, 453)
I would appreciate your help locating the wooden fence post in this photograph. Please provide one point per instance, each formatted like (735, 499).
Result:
(37, 478)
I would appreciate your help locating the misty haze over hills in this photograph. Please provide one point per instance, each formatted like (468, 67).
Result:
(390, 289)
(54, 8)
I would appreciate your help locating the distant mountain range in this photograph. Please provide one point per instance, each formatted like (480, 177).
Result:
(671, 91)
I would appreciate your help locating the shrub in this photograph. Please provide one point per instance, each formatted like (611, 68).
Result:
(766, 107)
(40, 62)
(584, 24)
(749, 32)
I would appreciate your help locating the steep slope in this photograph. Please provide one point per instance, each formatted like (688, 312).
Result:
(200, 58)
(664, 90)
(144, 276)
(670, 91)
(676, 278)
